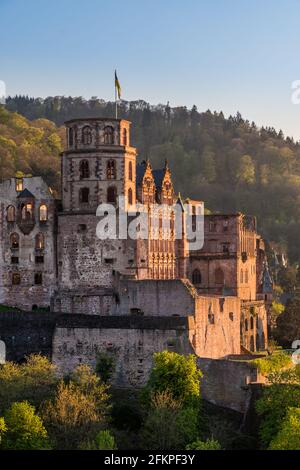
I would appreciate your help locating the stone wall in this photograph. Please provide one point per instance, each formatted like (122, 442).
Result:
(226, 382)
(130, 341)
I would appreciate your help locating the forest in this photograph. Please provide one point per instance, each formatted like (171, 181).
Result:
(229, 163)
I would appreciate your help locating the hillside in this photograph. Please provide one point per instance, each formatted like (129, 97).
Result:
(229, 163)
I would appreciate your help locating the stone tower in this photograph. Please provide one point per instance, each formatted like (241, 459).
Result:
(98, 166)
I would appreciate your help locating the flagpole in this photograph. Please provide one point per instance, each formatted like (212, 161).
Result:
(116, 104)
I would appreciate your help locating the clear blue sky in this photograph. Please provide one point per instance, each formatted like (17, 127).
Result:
(220, 54)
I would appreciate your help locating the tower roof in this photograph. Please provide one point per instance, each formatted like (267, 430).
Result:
(25, 193)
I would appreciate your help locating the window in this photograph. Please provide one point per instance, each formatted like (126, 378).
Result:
(82, 228)
(125, 137)
(219, 276)
(26, 212)
(84, 169)
(14, 260)
(39, 241)
(39, 259)
(242, 277)
(71, 137)
(251, 344)
(10, 214)
(225, 226)
(231, 316)
(246, 276)
(108, 135)
(212, 226)
(130, 196)
(130, 173)
(14, 241)
(43, 213)
(19, 184)
(246, 325)
(225, 248)
(251, 323)
(112, 195)
(86, 135)
(84, 195)
(38, 279)
(111, 170)
(16, 279)
(196, 277)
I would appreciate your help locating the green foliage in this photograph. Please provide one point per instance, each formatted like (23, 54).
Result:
(105, 366)
(274, 363)
(34, 381)
(288, 436)
(3, 429)
(209, 444)
(288, 323)
(169, 424)
(282, 394)
(103, 441)
(25, 430)
(177, 373)
(79, 409)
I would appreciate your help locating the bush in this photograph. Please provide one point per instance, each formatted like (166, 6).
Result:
(274, 363)
(103, 441)
(288, 437)
(210, 444)
(25, 430)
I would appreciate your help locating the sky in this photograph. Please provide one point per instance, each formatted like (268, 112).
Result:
(223, 55)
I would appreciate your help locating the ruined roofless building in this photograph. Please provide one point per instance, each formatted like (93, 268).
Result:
(54, 257)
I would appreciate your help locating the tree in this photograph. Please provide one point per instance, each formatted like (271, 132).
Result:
(282, 394)
(288, 436)
(246, 170)
(168, 424)
(209, 444)
(176, 373)
(105, 366)
(78, 410)
(25, 430)
(34, 381)
(3, 429)
(288, 323)
(103, 441)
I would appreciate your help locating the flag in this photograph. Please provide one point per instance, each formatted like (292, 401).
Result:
(117, 85)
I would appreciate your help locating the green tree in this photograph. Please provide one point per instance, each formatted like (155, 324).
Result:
(105, 366)
(288, 436)
(103, 441)
(176, 373)
(3, 429)
(246, 170)
(282, 394)
(288, 323)
(25, 430)
(34, 381)
(209, 444)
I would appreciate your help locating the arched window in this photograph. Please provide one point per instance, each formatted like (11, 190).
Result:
(86, 135)
(26, 211)
(39, 241)
(242, 277)
(71, 137)
(246, 276)
(111, 195)
(111, 170)
(251, 323)
(14, 241)
(130, 172)
(246, 325)
(262, 341)
(257, 342)
(84, 195)
(108, 135)
(84, 169)
(10, 214)
(219, 276)
(43, 213)
(130, 196)
(125, 137)
(251, 344)
(196, 277)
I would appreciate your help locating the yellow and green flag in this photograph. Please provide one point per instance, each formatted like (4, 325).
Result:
(117, 85)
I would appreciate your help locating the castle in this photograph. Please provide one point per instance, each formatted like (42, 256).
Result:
(212, 301)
